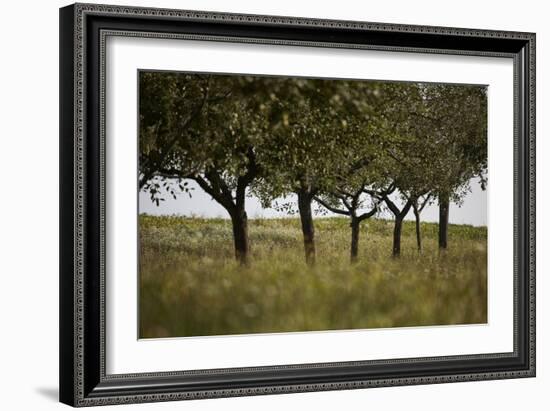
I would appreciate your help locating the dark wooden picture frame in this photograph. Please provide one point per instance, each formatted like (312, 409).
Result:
(83, 30)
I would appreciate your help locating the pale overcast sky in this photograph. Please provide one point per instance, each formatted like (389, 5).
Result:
(473, 211)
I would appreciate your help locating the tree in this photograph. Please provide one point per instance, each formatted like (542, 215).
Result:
(355, 171)
(348, 200)
(349, 203)
(455, 121)
(299, 153)
(302, 146)
(212, 141)
(405, 158)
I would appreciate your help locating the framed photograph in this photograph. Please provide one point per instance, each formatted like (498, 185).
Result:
(260, 204)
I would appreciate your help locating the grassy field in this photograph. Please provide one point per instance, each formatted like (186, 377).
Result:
(190, 284)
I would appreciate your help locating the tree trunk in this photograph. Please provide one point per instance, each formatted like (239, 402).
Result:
(306, 218)
(397, 236)
(354, 239)
(418, 233)
(443, 220)
(239, 220)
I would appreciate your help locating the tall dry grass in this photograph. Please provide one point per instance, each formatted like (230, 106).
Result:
(190, 284)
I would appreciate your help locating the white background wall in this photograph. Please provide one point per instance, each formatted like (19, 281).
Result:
(29, 204)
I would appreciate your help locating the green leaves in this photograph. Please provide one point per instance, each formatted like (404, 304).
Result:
(280, 135)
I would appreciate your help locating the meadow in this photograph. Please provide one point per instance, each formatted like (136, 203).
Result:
(191, 285)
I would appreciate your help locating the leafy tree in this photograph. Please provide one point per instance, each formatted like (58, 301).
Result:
(455, 122)
(356, 168)
(302, 147)
(300, 153)
(200, 128)
(404, 168)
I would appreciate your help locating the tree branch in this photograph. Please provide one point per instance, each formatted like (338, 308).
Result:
(425, 202)
(215, 193)
(331, 208)
(380, 193)
(406, 209)
(391, 205)
(370, 213)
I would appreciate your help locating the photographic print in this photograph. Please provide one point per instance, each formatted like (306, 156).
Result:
(288, 204)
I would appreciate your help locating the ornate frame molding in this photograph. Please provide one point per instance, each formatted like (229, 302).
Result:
(82, 369)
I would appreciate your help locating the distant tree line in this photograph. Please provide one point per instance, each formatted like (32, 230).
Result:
(352, 147)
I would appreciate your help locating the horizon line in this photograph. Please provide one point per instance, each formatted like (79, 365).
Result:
(174, 215)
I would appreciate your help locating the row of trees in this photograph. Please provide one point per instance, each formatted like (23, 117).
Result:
(351, 147)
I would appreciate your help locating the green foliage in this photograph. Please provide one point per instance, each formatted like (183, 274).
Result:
(436, 137)
(455, 123)
(319, 132)
(191, 285)
(312, 132)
